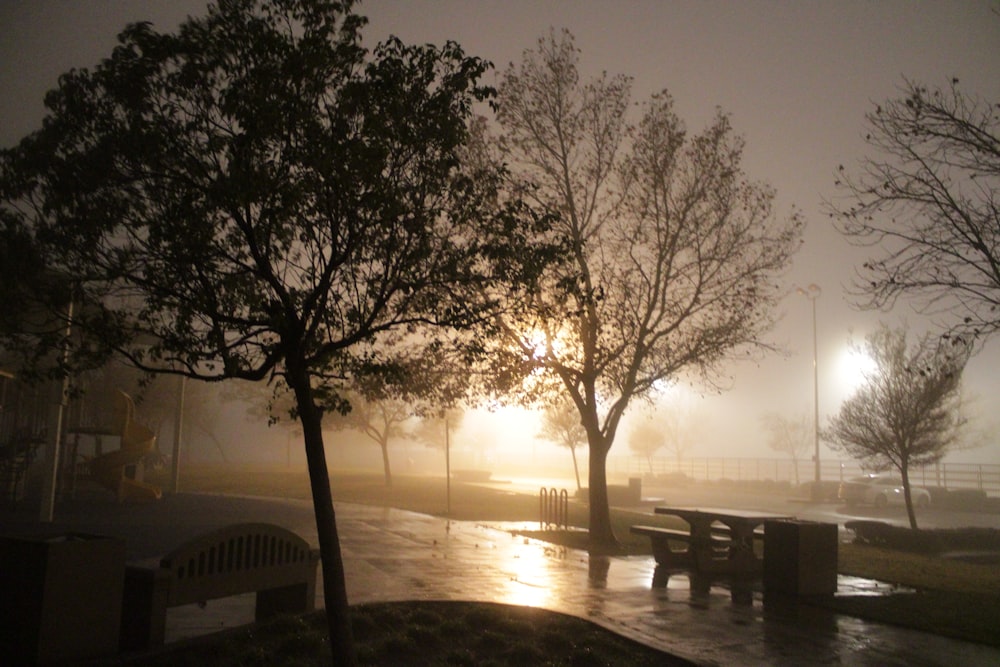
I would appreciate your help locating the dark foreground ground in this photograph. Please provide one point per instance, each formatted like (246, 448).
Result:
(424, 633)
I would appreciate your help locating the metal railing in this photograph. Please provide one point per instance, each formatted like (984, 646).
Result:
(983, 476)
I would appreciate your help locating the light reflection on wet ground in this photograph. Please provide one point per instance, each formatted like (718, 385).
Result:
(396, 555)
(469, 561)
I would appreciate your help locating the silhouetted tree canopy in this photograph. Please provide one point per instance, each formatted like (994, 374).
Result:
(257, 195)
(905, 414)
(926, 199)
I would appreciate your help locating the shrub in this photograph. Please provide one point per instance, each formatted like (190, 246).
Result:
(879, 533)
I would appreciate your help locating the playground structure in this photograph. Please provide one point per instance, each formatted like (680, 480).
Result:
(22, 435)
(110, 469)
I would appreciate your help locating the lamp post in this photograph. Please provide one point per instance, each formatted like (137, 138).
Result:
(812, 293)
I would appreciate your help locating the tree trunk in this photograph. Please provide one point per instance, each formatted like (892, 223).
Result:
(905, 473)
(334, 582)
(602, 536)
(385, 463)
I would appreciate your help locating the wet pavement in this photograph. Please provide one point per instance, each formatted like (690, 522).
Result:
(396, 555)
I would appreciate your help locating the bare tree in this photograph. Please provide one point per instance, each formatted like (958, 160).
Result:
(681, 425)
(906, 412)
(791, 436)
(926, 199)
(561, 425)
(673, 250)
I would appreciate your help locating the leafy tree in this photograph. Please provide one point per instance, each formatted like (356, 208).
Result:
(906, 413)
(381, 419)
(561, 425)
(673, 252)
(791, 436)
(435, 427)
(926, 199)
(680, 425)
(645, 439)
(258, 197)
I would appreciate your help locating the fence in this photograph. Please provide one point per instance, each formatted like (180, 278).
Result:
(984, 476)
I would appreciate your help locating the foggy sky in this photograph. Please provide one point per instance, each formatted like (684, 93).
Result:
(797, 78)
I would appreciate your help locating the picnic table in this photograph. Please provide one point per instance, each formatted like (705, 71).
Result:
(719, 541)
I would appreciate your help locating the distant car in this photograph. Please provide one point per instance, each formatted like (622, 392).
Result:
(880, 491)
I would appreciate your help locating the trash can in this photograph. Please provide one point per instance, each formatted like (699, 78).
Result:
(800, 557)
(635, 490)
(61, 597)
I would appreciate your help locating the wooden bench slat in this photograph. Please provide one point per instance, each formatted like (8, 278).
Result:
(243, 558)
(656, 531)
(724, 531)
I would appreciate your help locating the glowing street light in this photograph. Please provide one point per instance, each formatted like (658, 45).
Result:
(812, 293)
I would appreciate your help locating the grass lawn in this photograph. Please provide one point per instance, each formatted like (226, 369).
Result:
(954, 598)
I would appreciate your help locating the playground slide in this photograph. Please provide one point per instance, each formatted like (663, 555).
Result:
(136, 442)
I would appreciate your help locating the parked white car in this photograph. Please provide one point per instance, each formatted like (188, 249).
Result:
(880, 491)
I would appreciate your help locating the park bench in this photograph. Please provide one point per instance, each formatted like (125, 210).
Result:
(275, 563)
(717, 542)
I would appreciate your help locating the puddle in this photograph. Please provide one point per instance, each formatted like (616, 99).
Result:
(848, 586)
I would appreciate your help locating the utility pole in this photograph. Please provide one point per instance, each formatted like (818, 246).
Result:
(812, 293)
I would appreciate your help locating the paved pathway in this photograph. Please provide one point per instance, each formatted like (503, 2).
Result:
(395, 555)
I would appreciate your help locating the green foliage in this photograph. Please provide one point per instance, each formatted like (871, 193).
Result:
(258, 196)
(646, 437)
(258, 186)
(561, 425)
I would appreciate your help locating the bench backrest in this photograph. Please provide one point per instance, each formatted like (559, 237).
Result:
(241, 558)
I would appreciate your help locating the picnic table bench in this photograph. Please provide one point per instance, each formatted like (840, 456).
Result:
(717, 542)
(663, 542)
(271, 561)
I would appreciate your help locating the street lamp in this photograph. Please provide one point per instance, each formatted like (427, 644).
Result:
(812, 293)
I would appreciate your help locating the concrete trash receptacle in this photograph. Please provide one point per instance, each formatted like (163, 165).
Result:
(800, 557)
(62, 597)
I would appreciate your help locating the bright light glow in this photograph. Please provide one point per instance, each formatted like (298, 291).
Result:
(536, 343)
(543, 344)
(854, 367)
(530, 574)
